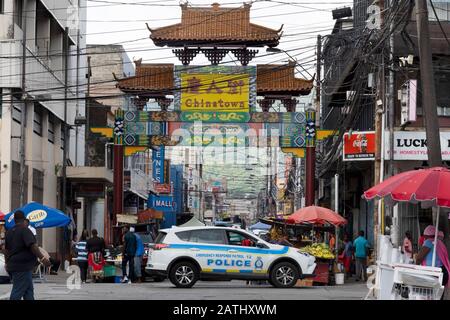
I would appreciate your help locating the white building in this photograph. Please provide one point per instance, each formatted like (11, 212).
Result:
(41, 101)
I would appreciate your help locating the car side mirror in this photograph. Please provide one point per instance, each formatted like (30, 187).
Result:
(261, 245)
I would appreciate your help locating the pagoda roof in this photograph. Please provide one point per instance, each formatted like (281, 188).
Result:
(215, 26)
(152, 78)
(158, 79)
(280, 78)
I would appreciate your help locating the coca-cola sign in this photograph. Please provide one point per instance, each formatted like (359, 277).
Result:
(359, 146)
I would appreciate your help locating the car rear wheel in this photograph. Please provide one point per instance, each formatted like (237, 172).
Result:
(184, 274)
(284, 275)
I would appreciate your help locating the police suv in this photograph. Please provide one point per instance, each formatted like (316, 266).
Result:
(188, 254)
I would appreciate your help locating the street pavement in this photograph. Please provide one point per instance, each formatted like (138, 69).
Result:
(56, 289)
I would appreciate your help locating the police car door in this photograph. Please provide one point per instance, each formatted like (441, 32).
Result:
(207, 247)
(244, 256)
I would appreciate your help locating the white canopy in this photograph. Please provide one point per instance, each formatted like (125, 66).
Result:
(194, 222)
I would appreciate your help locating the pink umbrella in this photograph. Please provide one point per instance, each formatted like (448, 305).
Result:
(430, 187)
(316, 215)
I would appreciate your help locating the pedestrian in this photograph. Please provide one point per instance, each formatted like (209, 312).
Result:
(21, 253)
(138, 256)
(407, 247)
(82, 255)
(129, 250)
(95, 247)
(332, 242)
(425, 255)
(347, 255)
(361, 252)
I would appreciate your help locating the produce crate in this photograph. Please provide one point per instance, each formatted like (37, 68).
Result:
(322, 272)
(109, 271)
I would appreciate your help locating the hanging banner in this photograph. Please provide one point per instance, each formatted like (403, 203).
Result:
(412, 145)
(158, 164)
(162, 203)
(215, 88)
(359, 146)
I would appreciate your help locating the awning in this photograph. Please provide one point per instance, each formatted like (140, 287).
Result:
(149, 214)
(127, 218)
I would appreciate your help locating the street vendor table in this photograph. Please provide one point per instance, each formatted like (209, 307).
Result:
(322, 271)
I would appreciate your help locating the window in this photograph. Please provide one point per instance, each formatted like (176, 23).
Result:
(211, 236)
(37, 120)
(2, 6)
(18, 11)
(17, 114)
(239, 239)
(160, 238)
(51, 129)
(183, 235)
(442, 10)
(63, 136)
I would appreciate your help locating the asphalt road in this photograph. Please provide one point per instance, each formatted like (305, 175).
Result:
(56, 289)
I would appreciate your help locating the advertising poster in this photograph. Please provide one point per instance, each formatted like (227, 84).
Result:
(359, 146)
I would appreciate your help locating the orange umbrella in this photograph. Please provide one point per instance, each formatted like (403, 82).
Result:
(316, 215)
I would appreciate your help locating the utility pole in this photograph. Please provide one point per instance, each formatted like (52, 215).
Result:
(87, 126)
(311, 150)
(429, 103)
(23, 114)
(65, 133)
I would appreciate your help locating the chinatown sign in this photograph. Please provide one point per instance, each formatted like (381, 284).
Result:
(359, 146)
(215, 88)
(412, 145)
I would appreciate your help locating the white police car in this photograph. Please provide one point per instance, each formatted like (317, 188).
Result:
(189, 254)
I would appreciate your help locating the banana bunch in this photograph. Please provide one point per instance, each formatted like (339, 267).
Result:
(319, 250)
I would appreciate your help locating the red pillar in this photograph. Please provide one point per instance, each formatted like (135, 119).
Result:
(118, 185)
(310, 176)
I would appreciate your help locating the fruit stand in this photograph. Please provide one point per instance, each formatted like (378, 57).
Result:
(314, 220)
(324, 259)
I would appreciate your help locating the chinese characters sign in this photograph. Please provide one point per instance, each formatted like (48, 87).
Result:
(212, 88)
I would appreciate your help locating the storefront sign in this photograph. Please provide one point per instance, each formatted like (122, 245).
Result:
(359, 146)
(215, 88)
(162, 203)
(158, 164)
(412, 145)
(162, 188)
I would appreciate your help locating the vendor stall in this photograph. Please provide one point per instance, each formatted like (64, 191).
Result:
(396, 280)
(305, 229)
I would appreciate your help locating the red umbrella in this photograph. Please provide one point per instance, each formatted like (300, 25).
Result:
(316, 215)
(2, 216)
(430, 186)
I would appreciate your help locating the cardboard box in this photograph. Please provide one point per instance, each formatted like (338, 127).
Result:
(304, 283)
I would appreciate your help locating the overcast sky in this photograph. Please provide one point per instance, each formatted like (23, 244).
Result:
(125, 24)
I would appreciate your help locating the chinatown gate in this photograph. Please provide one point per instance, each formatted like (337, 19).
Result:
(219, 95)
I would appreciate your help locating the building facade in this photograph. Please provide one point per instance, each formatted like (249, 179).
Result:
(42, 87)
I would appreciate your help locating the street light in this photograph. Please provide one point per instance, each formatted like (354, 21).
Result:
(278, 50)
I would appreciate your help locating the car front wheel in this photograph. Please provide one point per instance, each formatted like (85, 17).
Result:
(184, 274)
(284, 275)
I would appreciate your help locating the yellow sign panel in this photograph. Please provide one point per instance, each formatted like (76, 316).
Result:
(215, 92)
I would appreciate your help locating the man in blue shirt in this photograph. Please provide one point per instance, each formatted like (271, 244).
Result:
(138, 256)
(361, 246)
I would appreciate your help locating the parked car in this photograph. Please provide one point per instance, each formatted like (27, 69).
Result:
(186, 255)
